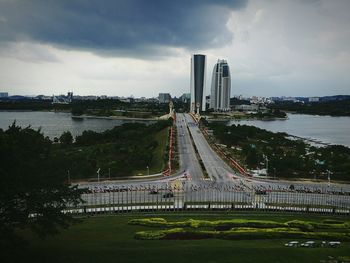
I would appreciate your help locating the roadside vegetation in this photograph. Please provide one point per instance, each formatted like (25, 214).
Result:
(283, 156)
(122, 151)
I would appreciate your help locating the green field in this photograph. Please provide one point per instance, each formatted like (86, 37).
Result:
(111, 239)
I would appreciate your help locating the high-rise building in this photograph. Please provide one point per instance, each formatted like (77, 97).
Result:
(220, 86)
(198, 67)
(164, 97)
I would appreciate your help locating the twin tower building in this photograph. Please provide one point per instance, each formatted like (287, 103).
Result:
(220, 85)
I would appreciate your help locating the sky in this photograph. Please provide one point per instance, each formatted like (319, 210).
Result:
(143, 47)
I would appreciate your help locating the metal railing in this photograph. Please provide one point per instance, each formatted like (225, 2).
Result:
(209, 196)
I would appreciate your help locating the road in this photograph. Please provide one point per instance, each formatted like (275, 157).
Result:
(224, 184)
(188, 159)
(215, 167)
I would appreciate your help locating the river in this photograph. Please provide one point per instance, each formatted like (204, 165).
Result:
(53, 124)
(333, 130)
(327, 129)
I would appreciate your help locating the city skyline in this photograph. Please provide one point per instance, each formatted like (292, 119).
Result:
(136, 48)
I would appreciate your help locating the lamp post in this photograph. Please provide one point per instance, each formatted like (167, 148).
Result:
(329, 177)
(98, 174)
(267, 163)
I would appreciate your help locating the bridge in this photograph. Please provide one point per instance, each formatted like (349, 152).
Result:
(206, 181)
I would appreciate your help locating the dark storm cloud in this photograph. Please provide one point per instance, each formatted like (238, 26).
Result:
(122, 26)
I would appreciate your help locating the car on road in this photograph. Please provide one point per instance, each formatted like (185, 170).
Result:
(309, 244)
(292, 244)
(334, 243)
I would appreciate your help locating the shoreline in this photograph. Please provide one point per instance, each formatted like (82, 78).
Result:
(112, 118)
(246, 119)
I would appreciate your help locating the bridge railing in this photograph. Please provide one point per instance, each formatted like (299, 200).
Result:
(188, 196)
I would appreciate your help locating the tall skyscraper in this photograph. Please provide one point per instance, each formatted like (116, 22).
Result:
(198, 67)
(220, 86)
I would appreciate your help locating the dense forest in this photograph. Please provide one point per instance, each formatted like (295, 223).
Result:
(286, 157)
(333, 108)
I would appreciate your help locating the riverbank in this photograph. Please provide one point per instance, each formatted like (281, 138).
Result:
(283, 157)
(246, 118)
(112, 118)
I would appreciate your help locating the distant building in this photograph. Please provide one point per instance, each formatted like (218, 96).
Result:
(4, 94)
(253, 107)
(220, 86)
(164, 97)
(186, 97)
(314, 99)
(62, 99)
(198, 68)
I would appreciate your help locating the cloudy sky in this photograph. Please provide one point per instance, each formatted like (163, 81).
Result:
(143, 47)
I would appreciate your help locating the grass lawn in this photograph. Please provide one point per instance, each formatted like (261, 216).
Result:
(111, 239)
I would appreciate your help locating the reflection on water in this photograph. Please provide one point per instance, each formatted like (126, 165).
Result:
(53, 124)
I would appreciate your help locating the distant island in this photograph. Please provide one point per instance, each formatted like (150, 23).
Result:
(332, 108)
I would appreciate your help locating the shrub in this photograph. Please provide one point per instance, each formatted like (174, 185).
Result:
(226, 224)
(240, 233)
(302, 225)
(158, 234)
(329, 226)
(332, 221)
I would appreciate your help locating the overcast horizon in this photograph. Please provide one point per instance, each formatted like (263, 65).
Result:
(142, 48)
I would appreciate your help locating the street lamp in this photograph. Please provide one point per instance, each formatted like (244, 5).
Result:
(267, 163)
(98, 174)
(329, 177)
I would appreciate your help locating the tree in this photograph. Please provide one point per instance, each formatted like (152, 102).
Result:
(33, 188)
(66, 138)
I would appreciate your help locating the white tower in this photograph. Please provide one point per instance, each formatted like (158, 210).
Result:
(220, 86)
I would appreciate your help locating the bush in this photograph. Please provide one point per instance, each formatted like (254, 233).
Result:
(226, 224)
(302, 225)
(159, 234)
(240, 233)
(330, 226)
(332, 221)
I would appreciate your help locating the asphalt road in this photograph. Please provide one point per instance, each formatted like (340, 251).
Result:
(188, 159)
(216, 168)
